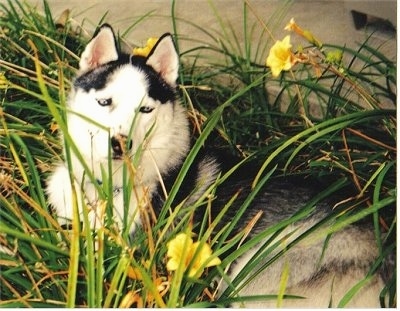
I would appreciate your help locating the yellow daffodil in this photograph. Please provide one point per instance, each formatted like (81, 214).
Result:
(144, 51)
(4, 83)
(292, 26)
(280, 56)
(182, 248)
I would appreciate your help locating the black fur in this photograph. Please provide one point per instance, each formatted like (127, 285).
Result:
(99, 77)
(280, 198)
(158, 88)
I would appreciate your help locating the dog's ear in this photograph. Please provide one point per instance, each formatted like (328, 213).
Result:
(100, 50)
(164, 59)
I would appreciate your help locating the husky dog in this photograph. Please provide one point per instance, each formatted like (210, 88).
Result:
(124, 107)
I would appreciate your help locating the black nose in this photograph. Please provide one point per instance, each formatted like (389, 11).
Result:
(119, 145)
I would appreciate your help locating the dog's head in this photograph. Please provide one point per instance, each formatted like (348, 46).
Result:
(124, 104)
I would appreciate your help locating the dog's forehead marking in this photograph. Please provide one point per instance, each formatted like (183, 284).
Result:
(100, 77)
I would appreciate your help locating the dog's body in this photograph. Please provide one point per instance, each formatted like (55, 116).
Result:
(131, 100)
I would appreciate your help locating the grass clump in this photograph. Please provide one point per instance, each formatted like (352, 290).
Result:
(323, 117)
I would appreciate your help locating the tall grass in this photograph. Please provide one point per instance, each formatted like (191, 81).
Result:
(329, 125)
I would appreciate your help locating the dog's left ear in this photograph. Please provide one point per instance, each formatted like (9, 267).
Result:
(164, 59)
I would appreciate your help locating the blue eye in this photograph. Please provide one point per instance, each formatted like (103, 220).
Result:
(146, 109)
(104, 101)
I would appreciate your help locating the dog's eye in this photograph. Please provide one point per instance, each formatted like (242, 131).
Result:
(104, 101)
(146, 109)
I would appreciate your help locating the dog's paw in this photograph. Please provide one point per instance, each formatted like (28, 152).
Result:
(59, 193)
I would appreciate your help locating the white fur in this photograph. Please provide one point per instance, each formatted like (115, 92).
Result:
(302, 263)
(208, 170)
(160, 139)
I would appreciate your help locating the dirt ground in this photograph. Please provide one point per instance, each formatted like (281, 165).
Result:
(330, 21)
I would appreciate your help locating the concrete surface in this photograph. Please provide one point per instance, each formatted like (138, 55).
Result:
(330, 21)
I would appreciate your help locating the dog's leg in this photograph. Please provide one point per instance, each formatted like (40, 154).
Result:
(62, 199)
(59, 193)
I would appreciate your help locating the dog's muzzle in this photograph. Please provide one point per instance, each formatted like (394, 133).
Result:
(119, 145)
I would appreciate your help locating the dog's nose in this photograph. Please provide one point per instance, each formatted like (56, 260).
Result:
(119, 145)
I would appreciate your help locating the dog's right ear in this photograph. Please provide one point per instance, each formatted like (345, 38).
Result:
(164, 59)
(100, 50)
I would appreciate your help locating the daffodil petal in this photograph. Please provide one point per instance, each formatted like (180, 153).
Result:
(172, 265)
(151, 42)
(145, 51)
(280, 56)
(181, 250)
(178, 245)
(214, 262)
